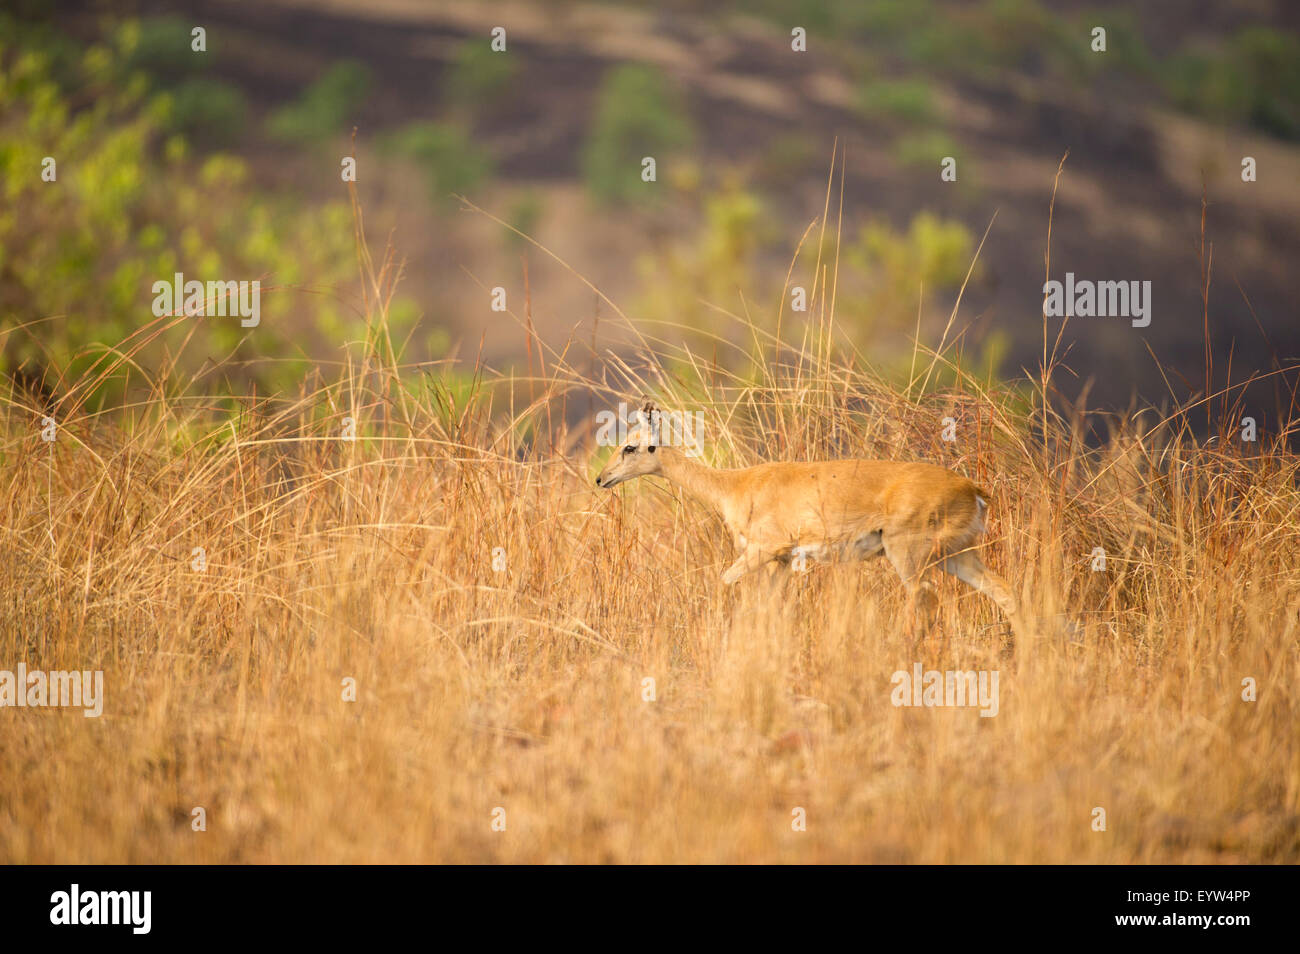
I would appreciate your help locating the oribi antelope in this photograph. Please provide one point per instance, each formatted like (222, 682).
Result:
(917, 515)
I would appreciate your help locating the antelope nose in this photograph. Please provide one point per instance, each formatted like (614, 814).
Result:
(597, 481)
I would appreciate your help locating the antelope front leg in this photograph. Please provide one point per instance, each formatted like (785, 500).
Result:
(750, 560)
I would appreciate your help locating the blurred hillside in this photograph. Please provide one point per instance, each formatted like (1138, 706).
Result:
(228, 162)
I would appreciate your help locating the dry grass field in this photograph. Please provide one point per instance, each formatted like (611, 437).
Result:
(519, 684)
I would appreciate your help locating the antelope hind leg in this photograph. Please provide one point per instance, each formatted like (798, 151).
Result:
(970, 569)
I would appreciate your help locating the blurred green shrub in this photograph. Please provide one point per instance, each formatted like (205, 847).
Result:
(681, 281)
(687, 286)
(637, 115)
(789, 156)
(925, 149)
(326, 107)
(1125, 45)
(1270, 62)
(524, 213)
(932, 253)
(1015, 31)
(79, 255)
(932, 250)
(449, 157)
(907, 99)
(161, 47)
(478, 75)
(886, 18)
(207, 112)
(1255, 80)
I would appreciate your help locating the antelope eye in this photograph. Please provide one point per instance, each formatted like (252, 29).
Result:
(652, 448)
(629, 449)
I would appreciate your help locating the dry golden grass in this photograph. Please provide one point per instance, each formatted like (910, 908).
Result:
(522, 689)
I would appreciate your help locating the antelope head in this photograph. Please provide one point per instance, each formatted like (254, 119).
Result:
(637, 457)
